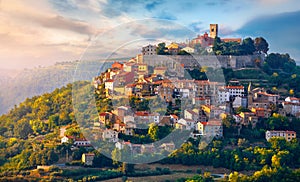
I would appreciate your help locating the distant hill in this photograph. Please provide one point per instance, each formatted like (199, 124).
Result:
(16, 86)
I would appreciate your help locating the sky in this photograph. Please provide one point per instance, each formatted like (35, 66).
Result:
(40, 33)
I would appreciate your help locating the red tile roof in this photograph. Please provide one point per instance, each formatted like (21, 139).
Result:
(130, 85)
(174, 116)
(204, 123)
(102, 114)
(234, 87)
(214, 123)
(109, 80)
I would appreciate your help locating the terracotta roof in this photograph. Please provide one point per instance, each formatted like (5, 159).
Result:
(234, 87)
(204, 123)
(127, 143)
(290, 132)
(239, 40)
(142, 113)
(214, 123)
(102, 114)
(109, 80)
(174, 116)
(293, 98)
(291, 103)
(158, 82)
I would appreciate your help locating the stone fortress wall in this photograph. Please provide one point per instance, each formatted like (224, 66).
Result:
(190, 61)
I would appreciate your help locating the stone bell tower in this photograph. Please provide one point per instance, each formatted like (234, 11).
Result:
(213, 30)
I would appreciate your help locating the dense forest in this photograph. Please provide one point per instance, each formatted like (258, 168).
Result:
(30, 132)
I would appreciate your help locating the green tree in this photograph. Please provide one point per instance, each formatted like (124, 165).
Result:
(22, 129)
(228, 121)
(43, 112)
(261, 45)
(248, 46)
(242, 109)
(278, 143)
(277, 122)
(52, 157)
(161, 49)
(281, 61)
(54, 119)
(217, 47)
(77, 154)
(153, 131)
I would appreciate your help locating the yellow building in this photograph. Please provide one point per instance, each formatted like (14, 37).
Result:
(173, 48)
(206, 109)
(139, 58)
(288, 135)
(87, 158)
(142, 67)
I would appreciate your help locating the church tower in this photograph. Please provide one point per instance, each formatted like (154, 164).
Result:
(213, 30)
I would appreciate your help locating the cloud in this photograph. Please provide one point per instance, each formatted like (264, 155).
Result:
(152, 5)
(196, 26)
(59, 22)
(270, 2)
(281, 31)
(115, 8)
(216, 2)
(64, 5)
(47, 19)
(225, 31)
(37, 35)
(159, 29)
(211, 3)
(166, 15)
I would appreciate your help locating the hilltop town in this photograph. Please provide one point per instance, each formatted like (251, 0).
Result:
(185, 103)
(218, 102)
